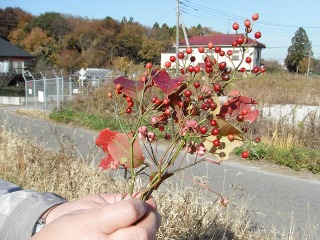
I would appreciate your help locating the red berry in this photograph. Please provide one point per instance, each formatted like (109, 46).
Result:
(167, 136)
(143, 79)
(201, 49)
(172, 58)
(244, 111)
(167, 111)
(222, 53)
(229, 52)
(109, 95)
(187, 93)
(193, 59)
(247, 23)
(209, 64)
(240, 118)
(255, 17)
(153, 99)
(130, 104)
(216, 143)
(190, 68)
(189, 50)
(222, 65)
(161, 128)
(213, 123)
(196, 69)
(256, 69)
(204, 106)
(257, 35)
(213, 105)
(210, 45)
(158, 101)
(235, 26)
(128, 99)
(248, 59)
(225, 77)
(257, 139)
(230, 137)
(240, 40)
(196, 84)
(149, 65)
(203, 129)
(245, 154)
(217, 49)
(128, 110)
(216, 87)
(118, 86)
(215, 131)
(167, 64)
(181, 55)
(234, 44)
(166, 101)
(182, 71)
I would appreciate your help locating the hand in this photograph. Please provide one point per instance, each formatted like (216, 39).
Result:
(102, 216)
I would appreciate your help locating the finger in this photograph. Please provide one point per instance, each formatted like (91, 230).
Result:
(118, 215)
(151, 202)
(151, 220)
(133, 233)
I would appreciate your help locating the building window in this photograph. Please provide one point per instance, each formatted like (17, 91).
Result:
(236, 55)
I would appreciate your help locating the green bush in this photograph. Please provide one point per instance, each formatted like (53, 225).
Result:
(296, 158)
(13, 91)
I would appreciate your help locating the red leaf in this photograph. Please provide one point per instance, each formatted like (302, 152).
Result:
(129, 87)
(233, 107)
(104, 138)
(117, 147)
(166, 83)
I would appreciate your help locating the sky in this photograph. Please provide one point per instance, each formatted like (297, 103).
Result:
(279, 19)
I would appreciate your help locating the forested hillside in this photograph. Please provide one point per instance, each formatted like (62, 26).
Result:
(71, 42)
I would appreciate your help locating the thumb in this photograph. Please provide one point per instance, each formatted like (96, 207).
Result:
(117, 215)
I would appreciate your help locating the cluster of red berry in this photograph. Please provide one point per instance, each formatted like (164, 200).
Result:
(189, 110)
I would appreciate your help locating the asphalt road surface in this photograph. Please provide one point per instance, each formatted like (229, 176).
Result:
(275, 198)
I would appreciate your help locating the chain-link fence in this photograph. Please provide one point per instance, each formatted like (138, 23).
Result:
(48, 91)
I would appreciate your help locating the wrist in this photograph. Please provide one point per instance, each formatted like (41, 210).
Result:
(43, 220)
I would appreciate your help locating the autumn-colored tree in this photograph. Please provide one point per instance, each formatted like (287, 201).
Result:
(36, 41)
(150, 50)
(69, 60)
(304, 64)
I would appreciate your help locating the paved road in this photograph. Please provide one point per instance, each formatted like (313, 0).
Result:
(274, 199)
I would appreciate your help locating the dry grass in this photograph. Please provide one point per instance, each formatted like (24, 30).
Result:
(281, 88)
(187, 213)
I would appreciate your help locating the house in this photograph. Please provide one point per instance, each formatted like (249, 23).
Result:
(225, 42)
(13, 60)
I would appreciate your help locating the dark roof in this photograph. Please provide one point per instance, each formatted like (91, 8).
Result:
(218, 40)
(9, 50)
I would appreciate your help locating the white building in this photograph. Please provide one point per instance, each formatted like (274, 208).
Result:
(225, 42)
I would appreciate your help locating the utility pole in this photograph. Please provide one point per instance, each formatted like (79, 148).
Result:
(309, 60)
(177, 37)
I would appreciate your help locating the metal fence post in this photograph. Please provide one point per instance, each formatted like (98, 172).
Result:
(45, 92)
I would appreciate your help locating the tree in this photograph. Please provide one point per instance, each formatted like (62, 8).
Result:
(300, 48)
(51, 22)
(8, 21)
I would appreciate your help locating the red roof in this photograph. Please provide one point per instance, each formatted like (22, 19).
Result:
(218, 40)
